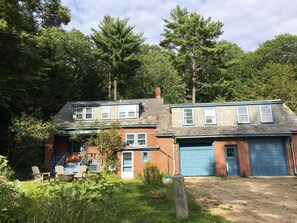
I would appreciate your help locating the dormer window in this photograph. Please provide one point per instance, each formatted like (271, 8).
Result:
(83, 113)
(127, 111)
(105, 112)
(243, 114)
(188, 116)
(266, 114)
(210, 116)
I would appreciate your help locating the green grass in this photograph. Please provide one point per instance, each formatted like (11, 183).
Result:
(132, 203)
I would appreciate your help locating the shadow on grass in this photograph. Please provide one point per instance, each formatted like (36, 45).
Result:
(132, 203)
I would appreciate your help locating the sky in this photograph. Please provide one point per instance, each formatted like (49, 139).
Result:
(247, 23)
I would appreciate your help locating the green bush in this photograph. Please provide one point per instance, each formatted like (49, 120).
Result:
(5, 170)
(84, 200)
(152, 177)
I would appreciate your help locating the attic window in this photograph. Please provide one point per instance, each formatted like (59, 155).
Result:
(266, 114)
(83, 113)
(210, 116)
(105, 112)
(188, 116)
(127, 111)
(243, 114)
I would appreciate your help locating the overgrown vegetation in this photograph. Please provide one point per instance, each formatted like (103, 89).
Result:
(106, 140)
(85, 200)
(152, 177)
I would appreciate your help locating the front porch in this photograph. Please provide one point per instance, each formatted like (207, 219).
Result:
(61, 150)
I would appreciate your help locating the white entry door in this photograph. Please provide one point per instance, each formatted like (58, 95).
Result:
(127, 164)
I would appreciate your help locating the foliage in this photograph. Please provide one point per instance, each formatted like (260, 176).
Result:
(193, 38)
(152, 177)
(13, 203)
(81, 200)
(109, 143)
(157, 70)
(107, 140)
(117, 48)
(5, 170)
(28, 134)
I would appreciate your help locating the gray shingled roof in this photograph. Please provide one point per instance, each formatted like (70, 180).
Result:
(151, 109)
(156, 114)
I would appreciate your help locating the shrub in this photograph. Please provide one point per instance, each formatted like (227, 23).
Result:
(5, 170)
(84, 200)
(152, 177)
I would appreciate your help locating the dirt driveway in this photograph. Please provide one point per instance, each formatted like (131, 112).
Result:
(247, 199)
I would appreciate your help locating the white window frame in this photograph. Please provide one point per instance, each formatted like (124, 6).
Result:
(215, 116)
(147, 157)
(193, 116)
(270, 113)
(135, 144)
(126, 109)
(84, 113)
(248, 115)
(106, 112)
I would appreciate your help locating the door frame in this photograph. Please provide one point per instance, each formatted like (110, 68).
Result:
(237, 158)
(125, 175)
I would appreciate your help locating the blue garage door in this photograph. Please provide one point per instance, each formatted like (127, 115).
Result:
(268, 158)
(197, 159)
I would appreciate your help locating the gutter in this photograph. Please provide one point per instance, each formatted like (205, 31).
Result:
(234, 136)
(293, 155)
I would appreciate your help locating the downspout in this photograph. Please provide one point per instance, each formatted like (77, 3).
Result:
(293, 155)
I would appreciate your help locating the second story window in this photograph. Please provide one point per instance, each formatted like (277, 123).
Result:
(136, 139)
(105, 112)
(188, 116)
(243, 114)
(266, 113)
(127, 111)
(83, 113)
(210, 116)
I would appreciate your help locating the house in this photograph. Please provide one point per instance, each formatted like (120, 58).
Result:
(252, 138)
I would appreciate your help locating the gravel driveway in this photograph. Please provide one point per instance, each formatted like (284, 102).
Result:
(247, 199)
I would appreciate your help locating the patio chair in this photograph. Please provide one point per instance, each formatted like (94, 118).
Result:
(81, 172)
(38, 176)
(59, 170)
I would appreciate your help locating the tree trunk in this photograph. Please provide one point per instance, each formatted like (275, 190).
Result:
(194, 82)
(109, 86)
(115, 89)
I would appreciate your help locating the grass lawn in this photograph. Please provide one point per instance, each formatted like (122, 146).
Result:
(131, 203)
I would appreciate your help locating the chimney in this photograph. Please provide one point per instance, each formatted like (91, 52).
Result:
(158, 92)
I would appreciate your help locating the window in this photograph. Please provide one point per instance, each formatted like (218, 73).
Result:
(83, 113)
(243, 114)
(210, 116)
(127, 111)
(105, 112)
(266, 114)
(230, 151)
(145, 156)
(188, 116)
(74, 147)
(136, 139)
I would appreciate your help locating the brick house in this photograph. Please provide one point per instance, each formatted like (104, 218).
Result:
(224, 139)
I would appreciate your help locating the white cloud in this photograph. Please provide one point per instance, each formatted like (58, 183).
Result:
(246, 22)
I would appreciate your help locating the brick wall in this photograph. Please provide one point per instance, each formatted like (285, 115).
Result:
(243, 155)
(48, 152)
(289, 153)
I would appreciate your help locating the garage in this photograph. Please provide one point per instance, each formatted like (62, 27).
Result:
(197, 159)
(268, 158)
